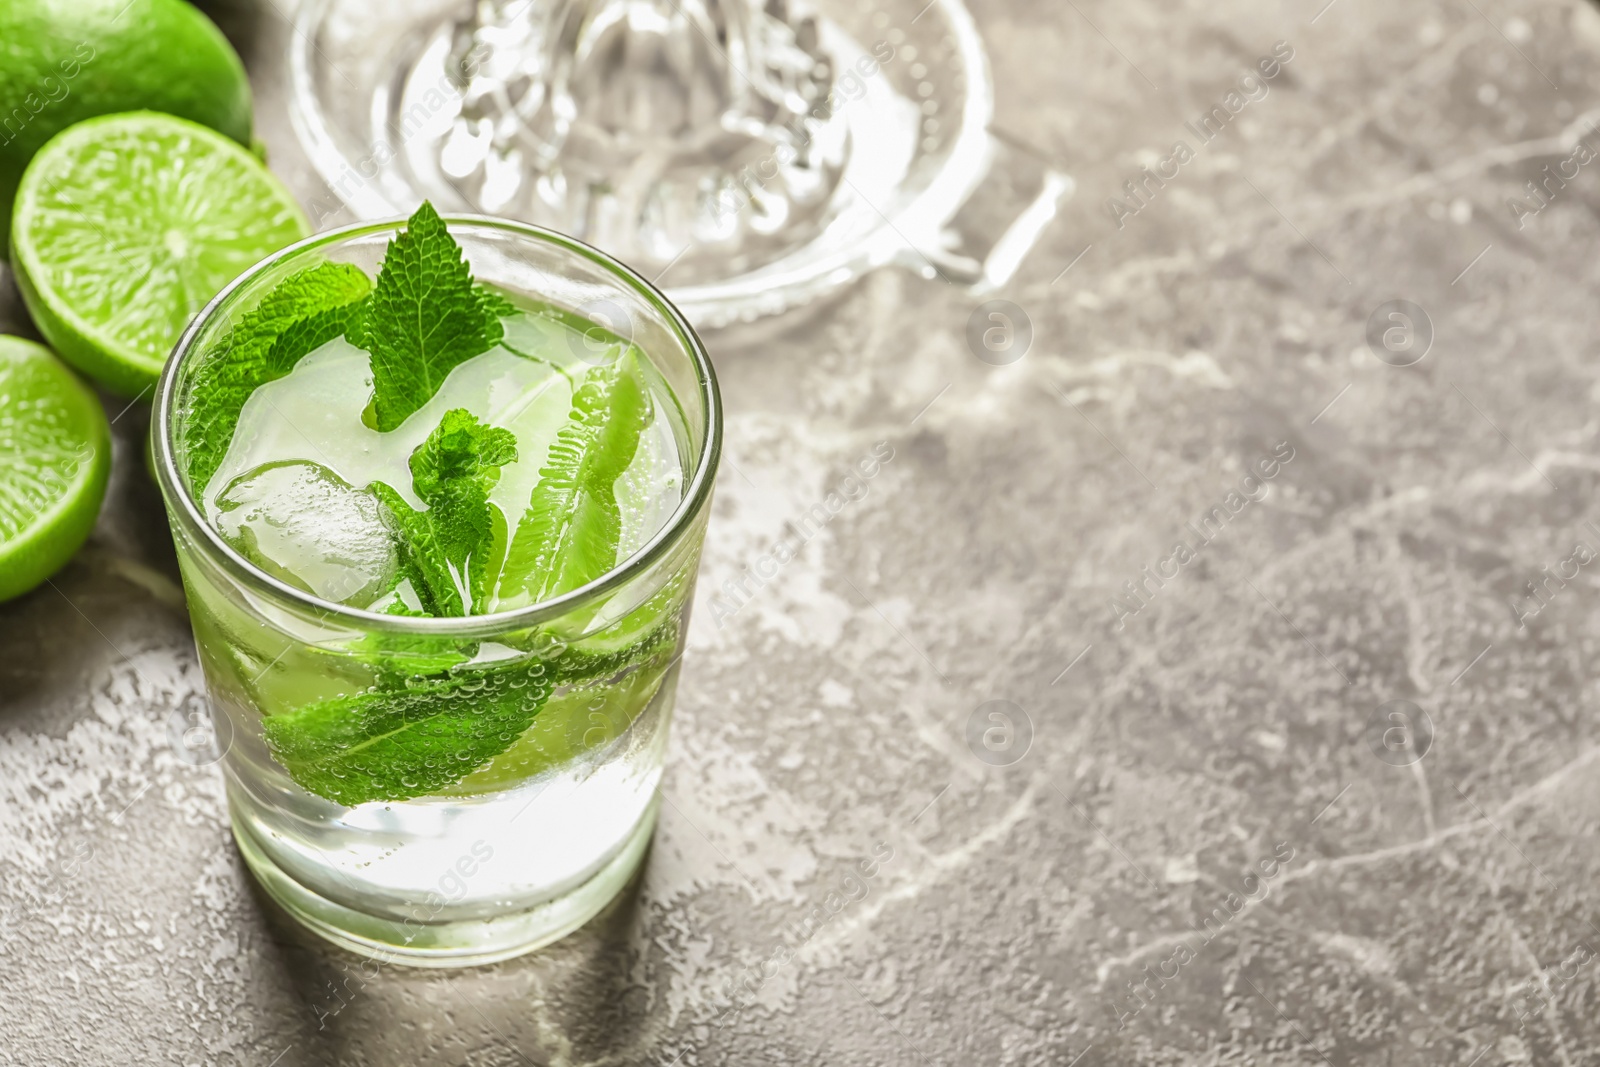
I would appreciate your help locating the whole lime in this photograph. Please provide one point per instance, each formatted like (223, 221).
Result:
(62, 61)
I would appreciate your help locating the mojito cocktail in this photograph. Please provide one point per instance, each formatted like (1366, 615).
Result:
(439, 490)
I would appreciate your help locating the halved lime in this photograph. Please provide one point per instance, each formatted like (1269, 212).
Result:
(57, 450)
(127, 225)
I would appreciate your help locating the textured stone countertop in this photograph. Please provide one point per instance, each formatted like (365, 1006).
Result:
(1210, 840)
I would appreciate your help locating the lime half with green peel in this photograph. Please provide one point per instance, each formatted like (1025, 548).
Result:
(57, 450)
(127, 225)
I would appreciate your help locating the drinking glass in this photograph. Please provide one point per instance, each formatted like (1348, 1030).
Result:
(500, 857)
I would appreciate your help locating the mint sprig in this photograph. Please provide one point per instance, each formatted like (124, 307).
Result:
(572, 528)
(446, 549)
(406, 743)
(426, 317)
(430, 719)
(304, 312)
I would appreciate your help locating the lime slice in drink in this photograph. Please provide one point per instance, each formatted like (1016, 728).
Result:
(57, 445)
(127, 225)
(569, 726)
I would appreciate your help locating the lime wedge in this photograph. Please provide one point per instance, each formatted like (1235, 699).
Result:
(57, 450)
(127, 225)
(570, 725)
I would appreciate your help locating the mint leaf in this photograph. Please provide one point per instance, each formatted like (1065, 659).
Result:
(410, 742)
(446, 549)
(571, 530)
(426, 318)
(305, 311)
(415, 739)
(495, 304)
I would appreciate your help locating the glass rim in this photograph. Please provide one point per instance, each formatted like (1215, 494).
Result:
(185, 510)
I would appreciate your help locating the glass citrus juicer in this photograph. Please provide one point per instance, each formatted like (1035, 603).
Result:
(748, 155)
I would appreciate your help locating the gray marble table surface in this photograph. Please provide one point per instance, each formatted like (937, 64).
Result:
(1290, 606)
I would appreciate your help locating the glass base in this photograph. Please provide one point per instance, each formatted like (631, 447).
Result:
(459, 943)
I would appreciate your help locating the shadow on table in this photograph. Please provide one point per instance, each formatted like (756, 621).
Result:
(13, 313)
(575, 999)
(243, 22)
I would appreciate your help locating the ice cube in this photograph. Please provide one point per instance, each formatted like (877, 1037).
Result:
(303, 524)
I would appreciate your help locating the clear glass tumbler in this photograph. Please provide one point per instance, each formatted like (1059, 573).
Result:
(498, 857)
